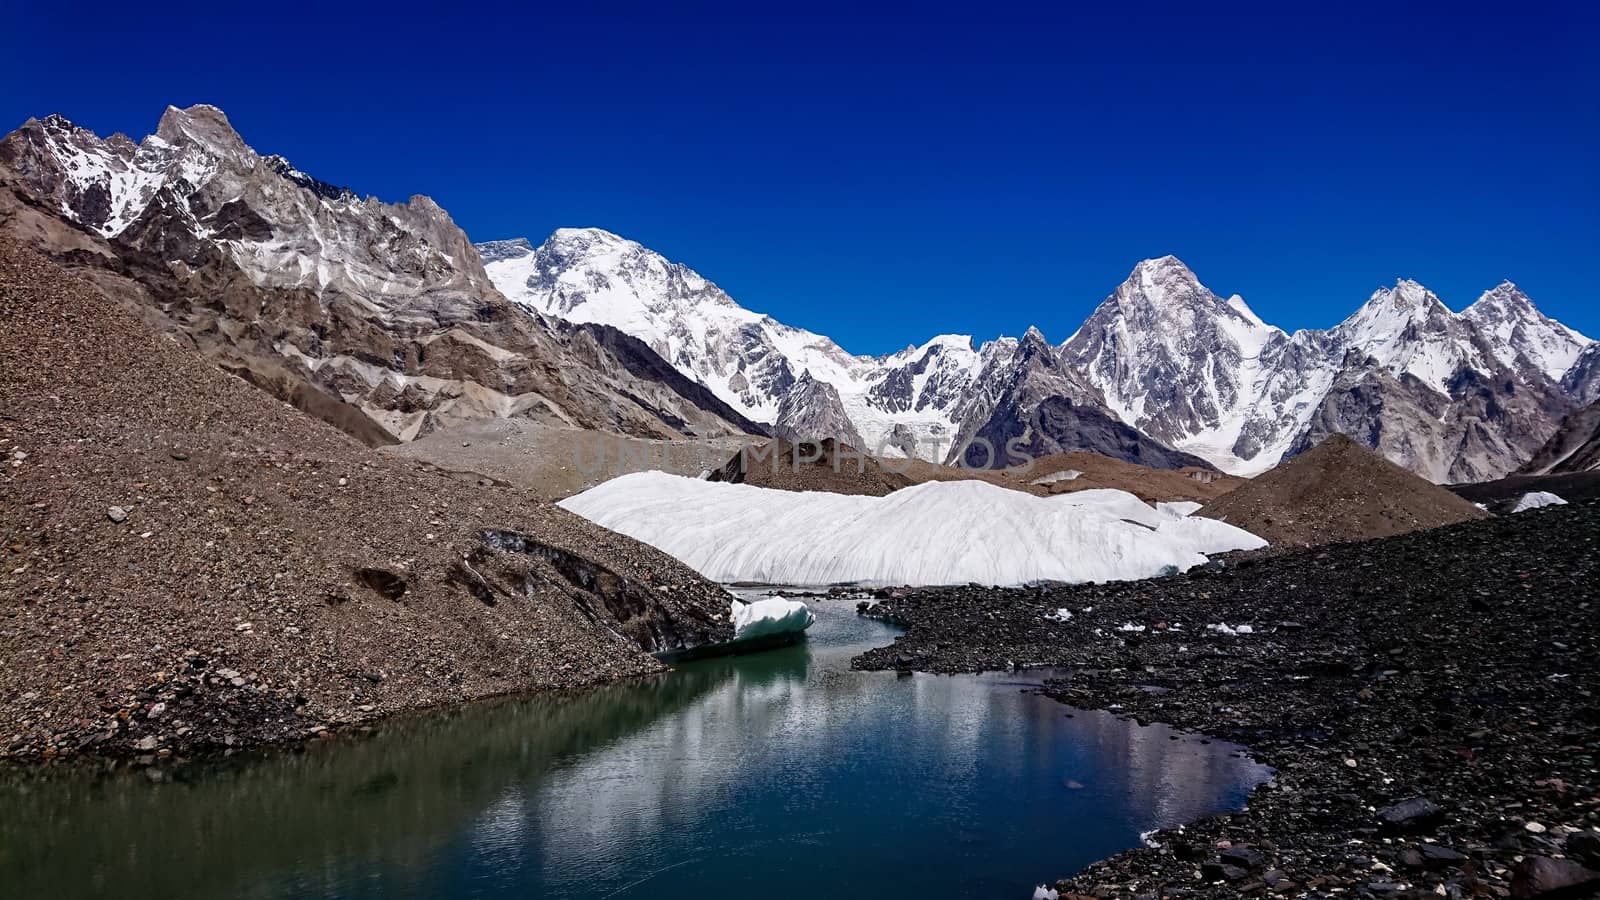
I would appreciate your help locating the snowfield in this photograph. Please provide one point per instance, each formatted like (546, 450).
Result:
(950, 532)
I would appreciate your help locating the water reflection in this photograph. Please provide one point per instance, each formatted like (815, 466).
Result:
(781, 771)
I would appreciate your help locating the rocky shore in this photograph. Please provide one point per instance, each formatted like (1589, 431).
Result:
(1429, 703)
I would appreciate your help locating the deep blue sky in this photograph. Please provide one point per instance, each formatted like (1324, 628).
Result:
(884, 178)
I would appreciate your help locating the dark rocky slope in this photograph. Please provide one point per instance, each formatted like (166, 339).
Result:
(1044, 406)
(1431, 703)
(1575, 447)
(193, 565)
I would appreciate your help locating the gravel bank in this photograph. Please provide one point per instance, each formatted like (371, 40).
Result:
(1429, 702)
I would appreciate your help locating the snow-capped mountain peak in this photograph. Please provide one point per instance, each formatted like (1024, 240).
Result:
(1522, 336)
(1174, 359)
(1198, 373)
(1407, 330)
(749, 360)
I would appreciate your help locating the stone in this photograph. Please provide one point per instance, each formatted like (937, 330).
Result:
(1437, 855)
(1410, 814)
(1584, 846)
(1243, 857)
(117, 514)
(1542, 876)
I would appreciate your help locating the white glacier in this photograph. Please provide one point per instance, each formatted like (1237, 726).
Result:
(954, 532)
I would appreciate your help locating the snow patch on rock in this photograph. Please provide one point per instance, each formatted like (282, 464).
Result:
(1537, 500)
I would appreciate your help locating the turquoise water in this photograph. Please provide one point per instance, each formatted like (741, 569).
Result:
(782, 773)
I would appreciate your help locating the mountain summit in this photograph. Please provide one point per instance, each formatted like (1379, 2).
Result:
(1451, 396)
(377, 317)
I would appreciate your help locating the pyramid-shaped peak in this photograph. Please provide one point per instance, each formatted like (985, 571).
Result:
(1163, 262)
(202, 124)
(1162, 283)
(1407, 294)
(1163, 269)
(1504, 296)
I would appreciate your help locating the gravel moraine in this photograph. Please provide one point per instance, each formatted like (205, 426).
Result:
(1428, 701)
(192, 567)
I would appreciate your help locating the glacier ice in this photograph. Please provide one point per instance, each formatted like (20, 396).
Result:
(1537, 499)
(764, 618)
(950, 532)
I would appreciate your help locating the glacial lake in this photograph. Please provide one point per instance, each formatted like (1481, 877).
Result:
(779, 774)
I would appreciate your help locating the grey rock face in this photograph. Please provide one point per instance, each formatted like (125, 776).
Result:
(813, 411)
(377, 317)
(1046, 406)
(1575, 446)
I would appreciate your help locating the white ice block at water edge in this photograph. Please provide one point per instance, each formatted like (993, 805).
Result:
(763, 618)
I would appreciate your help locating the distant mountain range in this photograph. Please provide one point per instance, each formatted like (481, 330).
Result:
(1455, 397)
(387, 321)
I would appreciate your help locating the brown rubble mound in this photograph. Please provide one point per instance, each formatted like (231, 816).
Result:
(190, 564)
(1338, 491)
(825, 465)
(1082, 470)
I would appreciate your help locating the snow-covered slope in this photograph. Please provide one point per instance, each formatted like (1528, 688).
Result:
(952, 532)
(749, 360)
(1407, 330)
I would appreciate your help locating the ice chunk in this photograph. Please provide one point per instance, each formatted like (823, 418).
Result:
(948, 532)
(774, 615)
(1178, 507)
(1537, 499)
(1043, 893)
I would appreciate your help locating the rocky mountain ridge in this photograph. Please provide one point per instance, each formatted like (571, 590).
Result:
(375, 316)
(1451, 396)
(387, 321)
